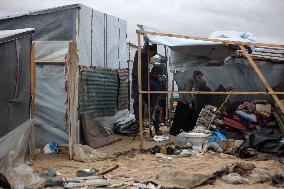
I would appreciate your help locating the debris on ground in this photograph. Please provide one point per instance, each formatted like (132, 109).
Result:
(87, 154)
(51, 148)
(182, 180)
(161, 138)
(278, 178)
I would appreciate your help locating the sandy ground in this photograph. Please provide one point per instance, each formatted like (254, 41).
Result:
(141, 167)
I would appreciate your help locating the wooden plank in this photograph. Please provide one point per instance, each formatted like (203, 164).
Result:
(210, 40)
(167, 84)
(262, 77)
(149, 96)
(72, 95)
(213, 93)
(52, 63)
(140, 94)
(32, 93)
(172, 98)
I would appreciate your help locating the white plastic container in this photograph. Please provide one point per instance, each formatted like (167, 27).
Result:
(199, 141)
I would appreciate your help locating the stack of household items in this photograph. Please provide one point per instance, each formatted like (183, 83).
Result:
(245, 129)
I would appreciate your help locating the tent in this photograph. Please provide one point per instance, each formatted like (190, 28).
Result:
(15, 78)
(100, 43)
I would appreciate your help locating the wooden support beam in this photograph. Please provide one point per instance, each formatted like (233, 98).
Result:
(213, 93)
(167, 84)
(149, 96)
(140, 89)
(210, 40)
(72, 95)
(32, 93)
(51, 63)
(262, 77)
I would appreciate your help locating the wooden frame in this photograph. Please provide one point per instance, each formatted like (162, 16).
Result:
(72, 95)
(226, 42)
(33, 89)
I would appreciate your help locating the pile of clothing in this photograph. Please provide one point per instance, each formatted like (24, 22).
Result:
(246, 128)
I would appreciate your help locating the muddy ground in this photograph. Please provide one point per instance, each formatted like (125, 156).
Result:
(141, 167)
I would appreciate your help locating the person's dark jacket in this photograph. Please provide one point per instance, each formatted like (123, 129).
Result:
(144, 65)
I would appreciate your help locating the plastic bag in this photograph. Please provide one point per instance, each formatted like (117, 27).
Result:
(12, 165)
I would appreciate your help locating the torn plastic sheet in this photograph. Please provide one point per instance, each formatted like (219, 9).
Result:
(188, 51)
(50, 105)
(51, 51)
(13, 148)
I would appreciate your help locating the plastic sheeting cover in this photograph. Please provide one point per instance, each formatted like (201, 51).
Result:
(14, 83)
(239, 74)
(51, 51)
(13, 148)
(50, 105)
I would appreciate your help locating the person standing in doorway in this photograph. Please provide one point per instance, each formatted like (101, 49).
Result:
(148, 51)
(185, 114)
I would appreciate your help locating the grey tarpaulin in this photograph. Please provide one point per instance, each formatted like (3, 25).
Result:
(101, 38)
(101, 42)
(50, 104)
(213, 60)
(14, 78)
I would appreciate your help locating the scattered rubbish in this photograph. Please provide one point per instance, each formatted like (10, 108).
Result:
(161, 138)
(162, 156)
(51, 148)
(109, 170)
(86, 172)
(126, 126)
(182, 180)
(199, 141)
(94, 134)
(87, 154)
(172, 166)
(182, 140)
(278, 178)
(215, 147)
(259, 176)
(235, 178)
(12, 164)
(87, 183)
(189, 152)
(149, 185)
(51, 178)
(242, 173)
(205, 119)
(217, 136)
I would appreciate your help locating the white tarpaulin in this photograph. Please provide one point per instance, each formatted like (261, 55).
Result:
(51, 51)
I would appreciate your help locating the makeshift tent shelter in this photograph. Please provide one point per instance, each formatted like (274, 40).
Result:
(15, 78)
(100, 41)
(210, 55)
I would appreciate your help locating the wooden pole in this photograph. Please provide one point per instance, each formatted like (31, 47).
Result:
(211, 40)
(167, 84)
(172, 97)
(149, 96)
(33, 89)
(139, 91)
(262, 77)
(214, 93)
(72, 95)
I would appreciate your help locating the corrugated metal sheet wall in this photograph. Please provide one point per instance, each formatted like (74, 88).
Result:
(98, 91)
(123, 96)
